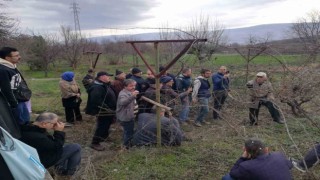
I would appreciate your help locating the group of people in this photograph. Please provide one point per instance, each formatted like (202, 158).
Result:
(15, 119)
(119, 100)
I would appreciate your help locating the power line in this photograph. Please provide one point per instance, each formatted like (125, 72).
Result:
(76, 10)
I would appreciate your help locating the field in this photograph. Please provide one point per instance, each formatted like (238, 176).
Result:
(213, 149)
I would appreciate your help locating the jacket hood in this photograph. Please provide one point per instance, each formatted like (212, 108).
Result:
(7, 64)
(200, 77)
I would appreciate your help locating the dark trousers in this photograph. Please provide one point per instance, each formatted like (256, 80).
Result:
(70, 159)
(219, 97)
(273, 110)
(5, 172)
(312, 157)
(128, 131)
(73, 114)
(102, 129)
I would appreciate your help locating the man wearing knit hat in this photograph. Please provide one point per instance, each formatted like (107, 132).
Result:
(261, 93)
(168, 95)
(117, 84)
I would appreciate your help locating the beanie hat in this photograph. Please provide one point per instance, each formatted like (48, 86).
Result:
(102, 73)
(161, 68)
(67, 76)
(135, 70)
(165, 79)
(118, 72)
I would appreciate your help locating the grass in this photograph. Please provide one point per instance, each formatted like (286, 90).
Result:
(214, 148)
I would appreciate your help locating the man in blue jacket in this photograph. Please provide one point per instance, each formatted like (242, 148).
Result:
(257, 163)
(220, 81)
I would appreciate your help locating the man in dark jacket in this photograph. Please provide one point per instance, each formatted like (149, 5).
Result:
(51, 148)
(146, 133)
(102, 103)
(137, 76)
(11, 80)
(183, 83)
(88, 79)
(220, 81)
(257, 163)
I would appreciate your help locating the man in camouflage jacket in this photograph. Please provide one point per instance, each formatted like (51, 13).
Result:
(260, 91)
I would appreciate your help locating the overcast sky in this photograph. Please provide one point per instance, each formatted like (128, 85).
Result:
(48, 15)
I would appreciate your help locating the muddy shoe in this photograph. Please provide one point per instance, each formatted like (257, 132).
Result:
(97, 147)
(206, 122)
(197, 124)
(68, 124)
(296, 164)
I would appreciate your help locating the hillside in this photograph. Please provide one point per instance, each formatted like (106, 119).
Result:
(238, 35)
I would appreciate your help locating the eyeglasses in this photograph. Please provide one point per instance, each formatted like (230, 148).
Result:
(259, 76)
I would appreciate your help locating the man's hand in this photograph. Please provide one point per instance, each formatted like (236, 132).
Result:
(78, 94)
(189, 89)
(135, 93)
(59, 126)
(194, 100)
(246, 155)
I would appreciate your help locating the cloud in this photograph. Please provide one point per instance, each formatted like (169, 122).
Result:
(47, 14)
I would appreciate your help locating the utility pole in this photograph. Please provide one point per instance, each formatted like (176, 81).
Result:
(75, 10)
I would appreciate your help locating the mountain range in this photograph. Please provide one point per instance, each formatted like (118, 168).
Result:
(237, 35)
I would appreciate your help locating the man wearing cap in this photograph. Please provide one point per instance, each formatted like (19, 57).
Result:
(117, 84)
(257, 163)
(261, 93)
(102, 103)
(201, 93)
(88, 79)
(137, 76)
(220, 81)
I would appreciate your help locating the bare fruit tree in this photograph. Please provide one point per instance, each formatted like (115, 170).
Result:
(307, 29)
(43, 51)
(254, 48)
(204, 28)
(73, 46)
(7, 24)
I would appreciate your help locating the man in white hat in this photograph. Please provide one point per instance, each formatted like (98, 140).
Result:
(261, 93)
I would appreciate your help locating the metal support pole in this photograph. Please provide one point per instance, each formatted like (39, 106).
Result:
(157, 94)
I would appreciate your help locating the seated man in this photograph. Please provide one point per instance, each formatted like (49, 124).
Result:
(257, 163)
(146, 132)
(310, 159)
(51, 148)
